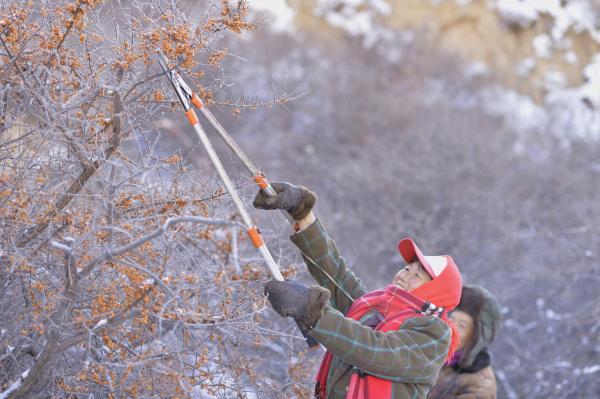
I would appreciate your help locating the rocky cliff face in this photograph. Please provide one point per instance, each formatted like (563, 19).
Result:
(533, 47)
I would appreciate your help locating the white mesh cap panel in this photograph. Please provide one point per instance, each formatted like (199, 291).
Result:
(437, 263)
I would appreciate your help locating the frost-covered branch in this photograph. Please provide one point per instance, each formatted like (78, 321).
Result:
(110, 253)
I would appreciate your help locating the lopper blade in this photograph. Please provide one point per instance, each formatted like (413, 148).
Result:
(184, 92)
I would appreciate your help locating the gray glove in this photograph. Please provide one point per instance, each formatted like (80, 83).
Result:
(298, 201)
(293, 299)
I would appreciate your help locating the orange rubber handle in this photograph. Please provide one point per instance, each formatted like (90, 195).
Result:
(261, 180)
(191, 117)
(255, 237)
(196, 101)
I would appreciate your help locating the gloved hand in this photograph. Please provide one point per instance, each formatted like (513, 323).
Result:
(298, 201)
(293, 299)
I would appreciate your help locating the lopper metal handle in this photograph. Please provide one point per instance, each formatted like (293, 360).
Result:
(253, 231)
(259, 177)
(187, 97)
(310, 341)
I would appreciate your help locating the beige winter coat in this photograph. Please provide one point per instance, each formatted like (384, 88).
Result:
(452, 384)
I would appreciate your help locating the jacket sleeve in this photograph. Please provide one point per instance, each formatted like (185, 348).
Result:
(322, 258)
(413, 354)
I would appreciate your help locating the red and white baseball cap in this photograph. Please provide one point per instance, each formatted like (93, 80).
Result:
(433, 265)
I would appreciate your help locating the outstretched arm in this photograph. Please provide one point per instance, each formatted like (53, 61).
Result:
(325, 264)
(320, 253)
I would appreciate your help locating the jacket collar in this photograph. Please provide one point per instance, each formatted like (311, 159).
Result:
(481, 361)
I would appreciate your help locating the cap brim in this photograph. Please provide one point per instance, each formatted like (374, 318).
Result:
(410, 252)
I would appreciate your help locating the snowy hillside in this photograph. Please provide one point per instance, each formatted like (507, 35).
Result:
(565, 110)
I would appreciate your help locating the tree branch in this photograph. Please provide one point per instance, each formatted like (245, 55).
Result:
(88, 171)
(109, 253)
(43, 362)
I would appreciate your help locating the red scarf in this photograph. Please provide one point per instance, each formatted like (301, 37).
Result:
(397, 305)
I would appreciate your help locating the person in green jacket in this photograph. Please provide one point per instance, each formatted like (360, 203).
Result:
(388, 343)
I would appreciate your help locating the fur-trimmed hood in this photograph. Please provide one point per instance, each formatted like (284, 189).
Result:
(485, 310)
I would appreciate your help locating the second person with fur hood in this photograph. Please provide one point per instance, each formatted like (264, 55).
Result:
(469, 374)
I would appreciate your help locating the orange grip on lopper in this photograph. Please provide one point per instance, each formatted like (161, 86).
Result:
(255, 237)
(191, 117)
(196, 101)
(261, 180)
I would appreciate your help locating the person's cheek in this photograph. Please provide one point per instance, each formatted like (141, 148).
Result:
(414, 283)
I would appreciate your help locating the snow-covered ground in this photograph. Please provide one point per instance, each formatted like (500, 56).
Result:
(357, 17)
(280, 16)
(14, 386)
(575, 14)
(567, 112)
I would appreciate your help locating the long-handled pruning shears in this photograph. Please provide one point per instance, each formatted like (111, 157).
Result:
(188, 98)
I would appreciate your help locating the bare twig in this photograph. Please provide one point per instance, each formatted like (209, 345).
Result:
(112, 253)
(83, 178)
